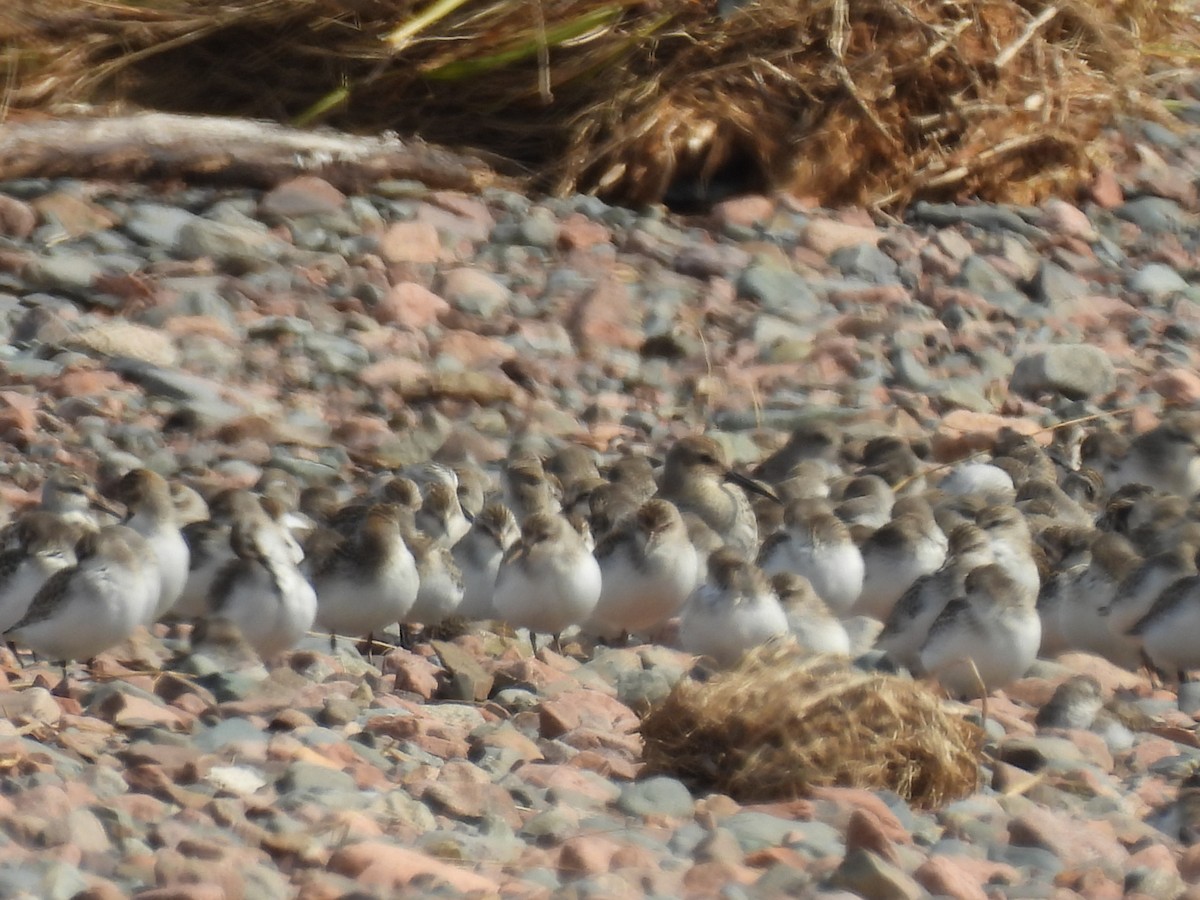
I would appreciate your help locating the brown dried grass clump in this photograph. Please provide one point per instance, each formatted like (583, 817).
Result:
(780, 724)
(875, 101)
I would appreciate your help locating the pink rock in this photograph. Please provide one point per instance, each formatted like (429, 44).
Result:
(944, 876)
(184, 892)
(864, 832)
(17, 219)
(961, 432)
(565, 778)
(1076, 843)
(747, 210)
(379, 864)
(584, 708)
(411, 304)
(304, 195)
(1105, 190)
(1112, 678)
(75, 215)
(413, 673)
(1179, 387)
(587, 854)
(1062, 218)
(578, 232)
(459, 215)
(394, 370)
(825, 236)
(856, 799)
(605, 318)
(474, 351)
(410, 242)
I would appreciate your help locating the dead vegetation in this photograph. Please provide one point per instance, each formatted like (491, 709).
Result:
(872, 101)
(779, 724)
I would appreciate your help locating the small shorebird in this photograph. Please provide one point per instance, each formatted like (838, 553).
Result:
(368, 581)
(894, 557)
(815, 544)
(1138, 592)
(1167, 457)
(45, 545)
(697, 479)
(441, 516)
(528, 489)
(1092, 590)
(151, 513)
(548, 580)
(261, 591)
(478, 557)
(815, 628)
(735, 610)
(441, 588)
(907, 628)
(987, 638)
(86, 608)
(1168, 631)
(1075, 704)
(817, 441)
(648, 569)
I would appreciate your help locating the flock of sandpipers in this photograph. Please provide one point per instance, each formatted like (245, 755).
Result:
(965, 572)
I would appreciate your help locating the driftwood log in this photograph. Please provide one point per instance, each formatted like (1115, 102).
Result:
(246, 152)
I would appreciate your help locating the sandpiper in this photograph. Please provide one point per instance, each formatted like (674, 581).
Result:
(697, 479)
(907, 628)
(369, 581)
(1138, 592)
(816, 545)
(810, 622)
(818, 440)
(980, 479)
(151, 513)
(987, 638)
(478, 557)
(735, 610)
(261, 591)
(528, 489)
(1092, 590)
(635, 472)
(1167, 457)
(441, 516)
(548, 580)
(648, 570)
(894, 557)
(1012, 545)
(1075, 704)
(45, 545)
(865, 500)
(441, 587)
(95, 604)
(69, 493)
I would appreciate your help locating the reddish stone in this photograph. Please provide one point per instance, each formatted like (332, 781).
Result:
(379, 864)
(1178, 387)
(1105, 190)
(410, 242)
(17, 219)
(825, 236)
(587, 854)
(942, 875)
(747, 210)
(304, 195)
(584, 708)
(411, 304)
(413, 673)
(864, 832)
(605, 318)
(578, 232)
(1076, 843)
(474, 351)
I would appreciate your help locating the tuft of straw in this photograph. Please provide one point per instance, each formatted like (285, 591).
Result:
(781, 723)
(878, 102)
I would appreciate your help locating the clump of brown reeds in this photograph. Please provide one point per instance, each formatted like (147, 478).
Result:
(779, 724)
(875, 101)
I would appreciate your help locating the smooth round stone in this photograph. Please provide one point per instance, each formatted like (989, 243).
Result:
(1157, 280)
(758, 831)
(660, 795)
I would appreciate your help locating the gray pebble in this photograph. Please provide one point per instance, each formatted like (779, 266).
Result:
(659, 795)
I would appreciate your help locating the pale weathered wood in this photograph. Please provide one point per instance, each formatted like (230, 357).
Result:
(224, 150)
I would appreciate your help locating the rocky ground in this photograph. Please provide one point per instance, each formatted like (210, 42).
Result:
(208, 333)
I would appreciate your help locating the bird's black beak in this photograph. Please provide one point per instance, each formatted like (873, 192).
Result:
(750, 484)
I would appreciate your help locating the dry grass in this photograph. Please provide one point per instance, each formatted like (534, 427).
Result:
(779, 724)
(875, 101)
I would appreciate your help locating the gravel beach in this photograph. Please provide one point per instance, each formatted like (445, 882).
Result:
(209, 333)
